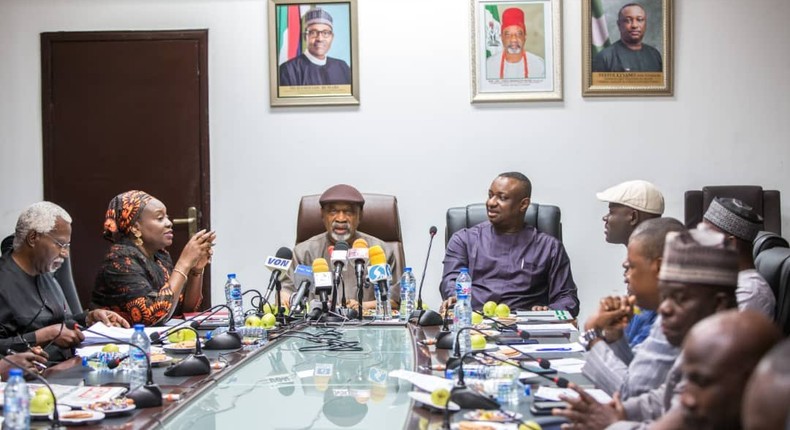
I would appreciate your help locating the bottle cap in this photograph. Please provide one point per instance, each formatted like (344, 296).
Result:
(231, 275)
(408, 269)
(139, 327)
(464, 270)
(15, 372)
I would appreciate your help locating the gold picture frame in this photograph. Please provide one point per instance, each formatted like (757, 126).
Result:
(313, 53)
(610, 66)
(536, 73)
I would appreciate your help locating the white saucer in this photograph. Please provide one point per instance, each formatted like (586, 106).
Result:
(425, 399)
(96, 416)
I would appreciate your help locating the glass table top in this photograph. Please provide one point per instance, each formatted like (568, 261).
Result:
(298, 384)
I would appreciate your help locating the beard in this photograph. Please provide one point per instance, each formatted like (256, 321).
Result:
(54, 265)
(341, 237)
(514, 48)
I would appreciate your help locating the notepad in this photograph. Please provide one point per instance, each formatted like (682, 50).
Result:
(553, 394)
(537, 329)
(124, 334)
(550, 348)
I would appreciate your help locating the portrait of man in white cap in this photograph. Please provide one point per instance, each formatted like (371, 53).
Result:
(514, 61)
(314, 66)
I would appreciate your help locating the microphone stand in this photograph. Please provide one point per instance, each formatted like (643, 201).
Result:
(147, 396)
(259, 308)
(466, 398)
(194, 364)
(278, 286)
(359, 298)
(422, 317)
(231, 339)
(55, 414)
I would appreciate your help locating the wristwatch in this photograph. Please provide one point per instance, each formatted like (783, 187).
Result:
(589, 336)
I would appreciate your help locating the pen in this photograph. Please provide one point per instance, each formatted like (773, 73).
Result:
(552, 349)
(40, 365)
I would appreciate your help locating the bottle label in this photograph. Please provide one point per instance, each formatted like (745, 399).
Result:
(235, 293)
(464, 288)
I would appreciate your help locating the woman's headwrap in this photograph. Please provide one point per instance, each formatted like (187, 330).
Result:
(124, 210)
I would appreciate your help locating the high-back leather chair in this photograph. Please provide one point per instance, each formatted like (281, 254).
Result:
(766, 240)
(774, 265)
(63, 275)
(380, 218)
(766, 203)
(545, 218)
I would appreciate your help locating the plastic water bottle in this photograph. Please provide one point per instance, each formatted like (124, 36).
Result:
(407, 285)
(16, 408)
(138, 360)
(463, 285)
(233, 299)
(462, 317)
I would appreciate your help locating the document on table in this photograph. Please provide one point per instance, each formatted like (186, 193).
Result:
(124, 334)
(567, 365)
(553, 394)
(537, 329)
(550, 348)
(422, 381)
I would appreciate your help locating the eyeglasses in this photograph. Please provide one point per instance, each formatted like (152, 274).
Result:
(63, 246)
(314, 33)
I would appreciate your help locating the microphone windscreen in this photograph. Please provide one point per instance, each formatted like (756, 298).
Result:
(377, 255)
(544, 364)
(561, 382)
(285, 253)
(194, 324)
(154, 336)
(523, 334)
(320, 265)
(360, 243)
(341, 246)
(432, 231)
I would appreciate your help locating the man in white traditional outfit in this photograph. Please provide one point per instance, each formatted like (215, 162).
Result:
(514, 62)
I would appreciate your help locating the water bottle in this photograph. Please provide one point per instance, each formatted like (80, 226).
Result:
(138, 357)
(462, 317)
(233, 299)
(463, 285)
(407, 283)
(484, 372)
(16, 408)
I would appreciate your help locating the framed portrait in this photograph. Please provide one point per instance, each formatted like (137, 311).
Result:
(627, 48)
(516, 50)
(313, 53)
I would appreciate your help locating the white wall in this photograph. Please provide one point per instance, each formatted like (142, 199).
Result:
(417, 136)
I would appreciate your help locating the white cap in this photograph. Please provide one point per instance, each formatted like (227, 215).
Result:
(639, 195)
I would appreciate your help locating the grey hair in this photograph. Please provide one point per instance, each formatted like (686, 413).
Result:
(39, 217)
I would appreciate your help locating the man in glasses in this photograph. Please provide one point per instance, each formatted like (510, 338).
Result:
(314, 66)
(33, 309)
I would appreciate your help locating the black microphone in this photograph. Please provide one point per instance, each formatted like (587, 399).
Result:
(115, 362)
(338, 259)
(157, 337)
(147, 396)
(422, 317)
(453, 362)
(466, 398)
(278, 264)
(305, 275)
(545, 364)
(55, 413)
(193, 364)
(231, 339)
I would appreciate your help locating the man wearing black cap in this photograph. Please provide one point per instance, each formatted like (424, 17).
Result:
(740, 224)
(314, 66)
(341, 211)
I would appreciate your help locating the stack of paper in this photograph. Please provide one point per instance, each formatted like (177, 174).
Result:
(538, 329)
(553, 394)
(544, 316)
(124, 334)
(550, 348)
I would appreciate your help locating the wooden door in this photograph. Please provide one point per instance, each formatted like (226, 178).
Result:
(122, 111)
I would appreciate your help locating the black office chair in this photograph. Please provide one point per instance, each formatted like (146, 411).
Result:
(766, 203)
(545, 218)
(766, 240)
(774, 265)
(62, 275)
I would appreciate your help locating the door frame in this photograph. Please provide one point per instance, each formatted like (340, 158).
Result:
(47, 110)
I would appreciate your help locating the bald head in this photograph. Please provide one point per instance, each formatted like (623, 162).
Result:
(719, 355)
(765, 405)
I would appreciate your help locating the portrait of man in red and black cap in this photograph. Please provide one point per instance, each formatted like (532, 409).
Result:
(514, 61)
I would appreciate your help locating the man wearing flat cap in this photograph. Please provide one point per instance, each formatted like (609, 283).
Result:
(314, 66)
(697, 279)
(514, 62)
(740, 224)
(341, 212)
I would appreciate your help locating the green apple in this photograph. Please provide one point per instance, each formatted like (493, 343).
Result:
(268, 321)
(529, 425)
(42, 404)
(489, 309)
(110, 347)
(425, 306)
(440, 397)
(502, 310)
(181, 336)
(476, 318)
(269, 309)
(44, 391)
(252, 321)
(478, 341)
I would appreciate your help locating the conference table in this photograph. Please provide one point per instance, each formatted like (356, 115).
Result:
(293, 382)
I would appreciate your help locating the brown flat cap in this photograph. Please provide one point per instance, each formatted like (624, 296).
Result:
(342, 193)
